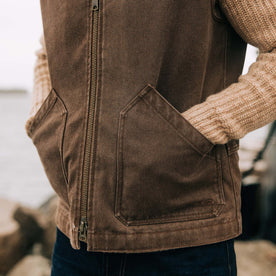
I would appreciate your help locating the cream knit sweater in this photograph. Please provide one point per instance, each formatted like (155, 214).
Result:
(240, 108)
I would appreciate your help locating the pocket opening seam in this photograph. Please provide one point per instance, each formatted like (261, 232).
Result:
(39, 117)
(141, 96)
(177, 112)
(50, 101)
(176, 130)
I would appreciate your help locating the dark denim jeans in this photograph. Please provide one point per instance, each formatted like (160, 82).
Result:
(217, 259)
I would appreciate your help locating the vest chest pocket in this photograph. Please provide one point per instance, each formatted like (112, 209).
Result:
(166, 170)
(46, 129)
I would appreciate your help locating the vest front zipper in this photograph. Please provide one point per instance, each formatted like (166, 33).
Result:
(90, 137)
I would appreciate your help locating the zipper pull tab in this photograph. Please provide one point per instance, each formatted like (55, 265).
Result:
(95, 5)
(83, 230)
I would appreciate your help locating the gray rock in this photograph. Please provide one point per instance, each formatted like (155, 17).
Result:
(255, 258)
(31, 224)
(19, 229)
(48, 211)
(10, 236)
(31, 266)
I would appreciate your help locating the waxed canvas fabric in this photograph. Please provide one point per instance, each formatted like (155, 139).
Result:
(155, 182)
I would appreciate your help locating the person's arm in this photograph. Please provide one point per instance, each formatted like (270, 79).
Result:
(251, 102)
(41, 81)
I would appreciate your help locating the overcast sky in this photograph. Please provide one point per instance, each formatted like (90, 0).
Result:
(20, 29)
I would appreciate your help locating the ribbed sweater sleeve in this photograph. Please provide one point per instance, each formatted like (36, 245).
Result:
(251, 102)
(41, 82)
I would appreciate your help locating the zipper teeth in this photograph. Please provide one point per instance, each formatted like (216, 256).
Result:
(90, 139)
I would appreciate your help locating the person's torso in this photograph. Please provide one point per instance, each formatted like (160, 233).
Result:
(131, 173)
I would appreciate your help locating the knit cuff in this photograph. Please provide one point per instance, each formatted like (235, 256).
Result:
(204, 118)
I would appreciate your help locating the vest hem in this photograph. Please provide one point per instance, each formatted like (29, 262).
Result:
(149, 242)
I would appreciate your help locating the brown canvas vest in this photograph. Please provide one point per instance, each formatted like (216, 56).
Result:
(132, 175)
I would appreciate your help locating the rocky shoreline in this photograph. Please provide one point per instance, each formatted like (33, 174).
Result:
(27, 238)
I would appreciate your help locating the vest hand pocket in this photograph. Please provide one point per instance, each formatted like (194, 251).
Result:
(46, 129)
(166, 170)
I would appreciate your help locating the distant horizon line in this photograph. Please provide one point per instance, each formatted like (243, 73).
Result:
(13, 90)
